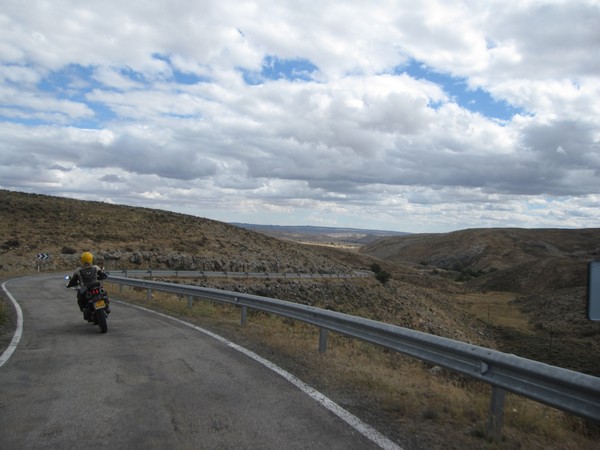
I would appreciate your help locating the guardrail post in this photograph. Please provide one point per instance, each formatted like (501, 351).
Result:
(496, 412)
(244, 317)
(149, 295)
(323, 332)
(190, 301)
(554, 386)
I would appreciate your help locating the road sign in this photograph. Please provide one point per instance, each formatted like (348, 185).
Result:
(594, 291)
(43, 256)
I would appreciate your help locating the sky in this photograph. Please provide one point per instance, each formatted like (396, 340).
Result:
(427, 116)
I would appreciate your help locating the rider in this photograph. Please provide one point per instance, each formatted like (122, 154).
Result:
(86, 276)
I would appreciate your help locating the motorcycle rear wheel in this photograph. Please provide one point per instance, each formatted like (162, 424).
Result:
(101, 316)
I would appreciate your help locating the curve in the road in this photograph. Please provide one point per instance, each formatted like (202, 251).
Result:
(18, 331)
(353, 421)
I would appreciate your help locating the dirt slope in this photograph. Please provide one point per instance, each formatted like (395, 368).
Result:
(545, 270)
(508, 259)
(139, 238)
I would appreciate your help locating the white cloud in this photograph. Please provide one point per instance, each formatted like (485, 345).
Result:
(149, 105)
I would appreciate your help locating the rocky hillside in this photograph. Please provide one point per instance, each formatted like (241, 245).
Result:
(138, 238)
(507, 259)
(545, 270)
(134, 238)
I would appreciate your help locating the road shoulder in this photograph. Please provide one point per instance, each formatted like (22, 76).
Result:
(8, 319)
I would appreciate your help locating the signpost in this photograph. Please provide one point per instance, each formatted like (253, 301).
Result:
(42, 258)
(594, 291)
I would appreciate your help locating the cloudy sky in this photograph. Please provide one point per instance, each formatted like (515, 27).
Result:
(399, 115)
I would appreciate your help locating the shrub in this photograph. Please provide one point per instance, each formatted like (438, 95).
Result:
(463, 276)
(382, 276)
(11, 243)
(376, 268)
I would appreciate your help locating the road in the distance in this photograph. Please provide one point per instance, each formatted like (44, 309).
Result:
(148, 383)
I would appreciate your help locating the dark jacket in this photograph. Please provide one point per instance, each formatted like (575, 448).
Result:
(87, 276)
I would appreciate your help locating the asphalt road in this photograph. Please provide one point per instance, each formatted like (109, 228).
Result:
(150, 382)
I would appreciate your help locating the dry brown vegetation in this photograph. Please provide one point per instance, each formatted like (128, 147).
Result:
(530, 286)
(415, 404)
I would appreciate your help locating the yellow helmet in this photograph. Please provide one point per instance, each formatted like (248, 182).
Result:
(87, 258)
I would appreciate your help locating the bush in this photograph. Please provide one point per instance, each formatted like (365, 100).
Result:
(376, 268)
(12, 243)
(463, 276)
(382, 276)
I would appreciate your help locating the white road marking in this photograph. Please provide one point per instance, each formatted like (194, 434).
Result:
(18, 332)
(364, 429)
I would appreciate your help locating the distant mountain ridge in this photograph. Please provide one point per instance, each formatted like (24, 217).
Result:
(321, 234)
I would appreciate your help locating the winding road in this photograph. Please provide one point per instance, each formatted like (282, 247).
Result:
(151, 382)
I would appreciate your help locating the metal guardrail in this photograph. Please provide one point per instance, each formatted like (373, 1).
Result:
(564, 389)
(225, 274)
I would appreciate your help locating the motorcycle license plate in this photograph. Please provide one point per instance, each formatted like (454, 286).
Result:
(99, 304)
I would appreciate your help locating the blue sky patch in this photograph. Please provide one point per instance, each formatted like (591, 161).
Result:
(74, 82)
(274, 68)
(71, 82)
(178, 76)
(102, 114)
(477, 100)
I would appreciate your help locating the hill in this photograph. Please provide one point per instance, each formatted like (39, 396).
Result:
(124, 237)
(507, 259)
(334, 236)
(543, 271)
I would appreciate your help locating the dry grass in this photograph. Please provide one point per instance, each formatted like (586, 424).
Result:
(495, 308)
(398, 395)
(336, 245)
(4, 315)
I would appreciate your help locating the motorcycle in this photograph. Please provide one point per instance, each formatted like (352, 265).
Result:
(96, 307)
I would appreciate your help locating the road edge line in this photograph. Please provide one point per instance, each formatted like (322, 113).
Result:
(18, 331)
(364, 429)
